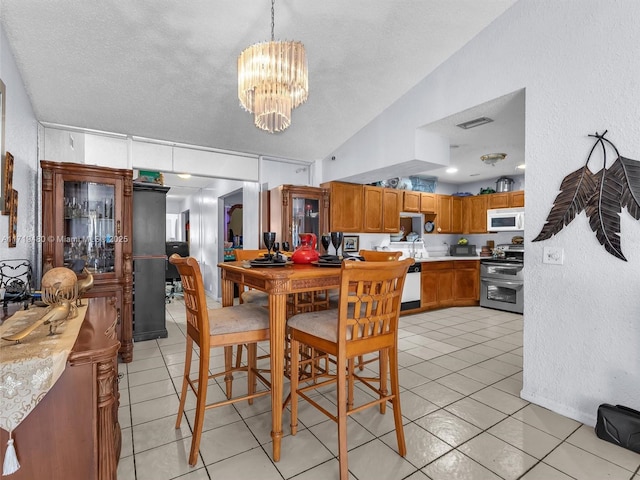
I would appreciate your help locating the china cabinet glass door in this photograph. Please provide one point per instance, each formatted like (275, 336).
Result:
(89, 225)
(306, 217)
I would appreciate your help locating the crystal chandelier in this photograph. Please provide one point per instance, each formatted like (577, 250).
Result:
(272, 80)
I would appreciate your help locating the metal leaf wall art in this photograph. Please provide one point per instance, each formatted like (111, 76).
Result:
(601, 195)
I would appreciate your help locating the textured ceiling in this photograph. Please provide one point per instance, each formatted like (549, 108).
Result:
(167, 69)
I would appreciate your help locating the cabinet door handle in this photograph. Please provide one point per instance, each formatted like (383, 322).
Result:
(118, 232)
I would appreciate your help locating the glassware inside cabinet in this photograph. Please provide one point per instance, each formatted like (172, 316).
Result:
(89, 225)
(306, 218)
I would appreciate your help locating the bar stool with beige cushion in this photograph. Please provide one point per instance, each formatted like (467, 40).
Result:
(376, 256)
(250, 295)
(219, 327)
(366, 321)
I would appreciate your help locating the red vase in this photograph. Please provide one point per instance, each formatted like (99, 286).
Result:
(306, 252)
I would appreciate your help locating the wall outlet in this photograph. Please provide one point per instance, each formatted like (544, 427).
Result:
(553, 255)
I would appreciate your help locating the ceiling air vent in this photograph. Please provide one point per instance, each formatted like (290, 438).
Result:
(474, 123)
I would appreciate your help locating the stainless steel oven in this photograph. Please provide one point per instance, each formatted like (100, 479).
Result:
(502, 280)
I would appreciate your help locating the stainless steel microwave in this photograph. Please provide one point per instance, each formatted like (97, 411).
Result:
(463, 250)
(505, 219)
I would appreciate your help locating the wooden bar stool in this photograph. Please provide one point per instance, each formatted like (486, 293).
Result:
(366, 321)
(220, 327)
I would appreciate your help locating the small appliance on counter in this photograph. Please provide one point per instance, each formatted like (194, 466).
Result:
(463, 250)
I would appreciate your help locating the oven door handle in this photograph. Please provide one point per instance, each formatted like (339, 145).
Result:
(519, 266)
(503, 283)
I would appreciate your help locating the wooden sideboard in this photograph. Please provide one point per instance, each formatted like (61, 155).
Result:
(73, 433)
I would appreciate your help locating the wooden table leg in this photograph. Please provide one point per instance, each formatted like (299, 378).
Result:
(227, 292)
(277, 325)
(227, 301)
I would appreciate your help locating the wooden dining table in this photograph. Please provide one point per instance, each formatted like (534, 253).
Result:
(278, 282)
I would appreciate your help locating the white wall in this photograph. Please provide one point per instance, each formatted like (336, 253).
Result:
(173, 230)
(21, 139)
(578, 63)
(275, 172)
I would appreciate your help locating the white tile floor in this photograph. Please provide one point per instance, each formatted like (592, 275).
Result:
(461, 374)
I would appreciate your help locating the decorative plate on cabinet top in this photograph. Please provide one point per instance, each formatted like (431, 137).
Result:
(429, 227)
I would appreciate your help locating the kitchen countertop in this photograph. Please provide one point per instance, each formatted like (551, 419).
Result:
(443, 258)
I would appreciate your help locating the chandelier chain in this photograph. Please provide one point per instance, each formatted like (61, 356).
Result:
(273, 23)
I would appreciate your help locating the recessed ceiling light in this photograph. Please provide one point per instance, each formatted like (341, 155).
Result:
(476, 122)
(184, 175)
(522, 166)
(451, 170)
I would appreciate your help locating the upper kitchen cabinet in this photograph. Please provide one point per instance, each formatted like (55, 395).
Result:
(475, 213)
(457, 216)
(517, 198)
(87, 220)
(506, 199)
(443, 220)
(345, 206)
(391, 206)
(428, 202)
(411, 202)
(381, 209)
(298, 209)
(449, 214)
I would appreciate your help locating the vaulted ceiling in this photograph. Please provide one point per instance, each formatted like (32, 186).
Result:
(167, 70)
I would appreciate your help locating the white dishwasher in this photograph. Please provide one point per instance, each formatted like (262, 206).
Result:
(411, 291)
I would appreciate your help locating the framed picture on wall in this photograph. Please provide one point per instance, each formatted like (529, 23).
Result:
(350, 243)
(13, 218)
(3, 100)
(7, 183)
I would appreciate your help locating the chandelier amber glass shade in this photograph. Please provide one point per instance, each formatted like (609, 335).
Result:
(272, 81)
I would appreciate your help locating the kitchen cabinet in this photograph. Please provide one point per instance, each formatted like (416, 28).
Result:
(381, 209)
(87, 219)
(450, 283)
(457, 225)
(517, 198)
(449, 217)
(298, 209)
(391, 206)
(427, 202)
(346, 203)
(466, 282)
(506, 199)
(449, 214)
(436, 288)
(373, 220)
(411, 202)
(443, 219)
(475, 212)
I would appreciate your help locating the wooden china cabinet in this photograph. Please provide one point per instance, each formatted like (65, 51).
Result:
(87, 219)
(298, 209)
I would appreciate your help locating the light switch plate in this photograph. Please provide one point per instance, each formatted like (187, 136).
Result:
(553, 255)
